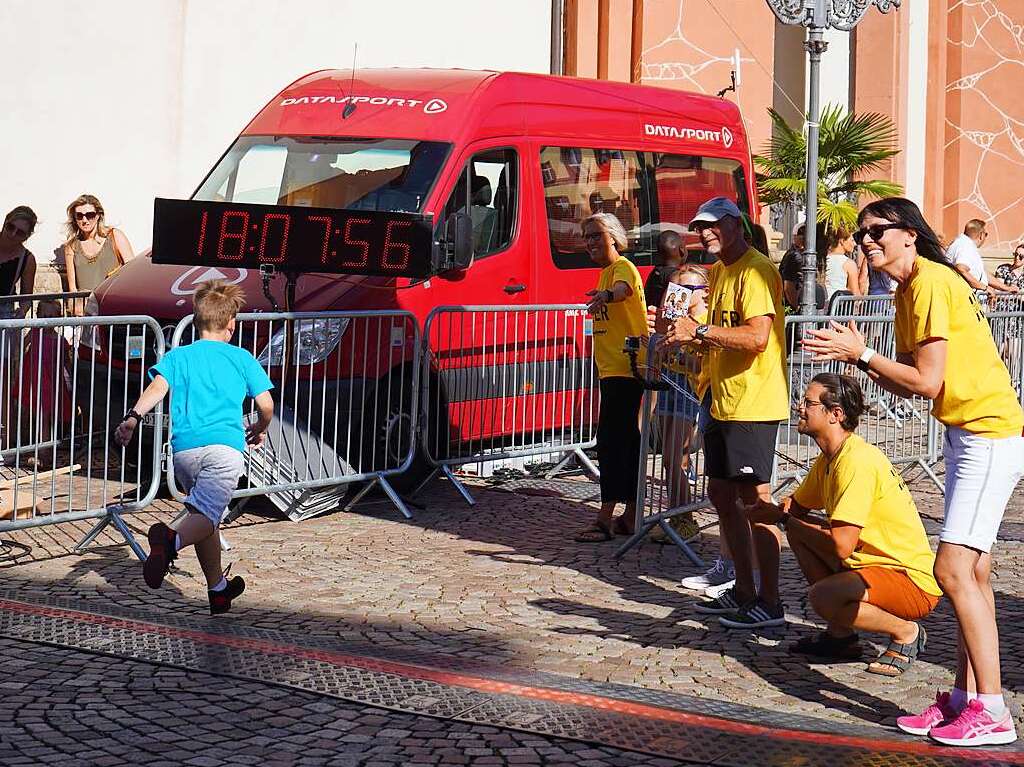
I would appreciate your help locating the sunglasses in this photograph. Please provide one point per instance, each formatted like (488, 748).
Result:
(876, 231)
(88, 216)
(694, 288)
(17, 231)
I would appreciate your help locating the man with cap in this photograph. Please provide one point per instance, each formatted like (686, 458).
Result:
(746, 360)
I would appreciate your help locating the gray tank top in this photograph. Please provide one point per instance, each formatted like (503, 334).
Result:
(90, 272)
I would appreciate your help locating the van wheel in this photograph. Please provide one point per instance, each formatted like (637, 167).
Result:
(393, 431)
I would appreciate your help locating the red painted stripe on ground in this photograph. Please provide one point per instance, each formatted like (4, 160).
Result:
(482, 684)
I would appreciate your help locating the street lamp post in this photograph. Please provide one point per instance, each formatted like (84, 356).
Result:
(817, 16)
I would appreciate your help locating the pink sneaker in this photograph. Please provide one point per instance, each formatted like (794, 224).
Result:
(939, 712)
(976, 727)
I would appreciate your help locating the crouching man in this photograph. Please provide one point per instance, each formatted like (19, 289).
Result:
(869, 563)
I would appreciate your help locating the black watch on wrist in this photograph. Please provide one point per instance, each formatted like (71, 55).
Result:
(132, 414)
(701, 331)
(610, 296)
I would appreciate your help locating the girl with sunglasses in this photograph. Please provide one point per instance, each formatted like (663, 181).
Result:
(17, 264)
(945, 352)
(93, 250)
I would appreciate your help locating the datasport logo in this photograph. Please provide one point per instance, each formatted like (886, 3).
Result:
(723, 135)
(432, 106)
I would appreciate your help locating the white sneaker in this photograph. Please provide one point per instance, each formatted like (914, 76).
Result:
(721, 572)
(714, 592)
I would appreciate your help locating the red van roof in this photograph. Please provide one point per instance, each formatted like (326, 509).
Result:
(456, 105)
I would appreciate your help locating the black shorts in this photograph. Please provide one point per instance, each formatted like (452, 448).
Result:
(742, 451)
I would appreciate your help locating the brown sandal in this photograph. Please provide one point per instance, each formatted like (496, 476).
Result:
(596, 533)
(620, 526)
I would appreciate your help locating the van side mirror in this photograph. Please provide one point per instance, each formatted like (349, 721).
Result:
(456, 246)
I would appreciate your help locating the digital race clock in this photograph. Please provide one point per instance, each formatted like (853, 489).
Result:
(292, 238)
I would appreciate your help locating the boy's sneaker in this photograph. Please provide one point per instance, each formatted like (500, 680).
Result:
(756, 614)
(724, 604)
(975, 726)
(162, 551)
(721, 572)
(938, 713)
(220, 601)
(713, 592)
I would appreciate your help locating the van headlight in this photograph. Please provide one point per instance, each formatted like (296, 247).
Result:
(313, 339)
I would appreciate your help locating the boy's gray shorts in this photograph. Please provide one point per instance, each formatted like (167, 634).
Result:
(208, 475)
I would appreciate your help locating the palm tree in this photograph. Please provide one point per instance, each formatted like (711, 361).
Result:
(849, 146)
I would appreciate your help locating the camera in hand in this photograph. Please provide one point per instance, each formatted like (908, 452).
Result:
(632, 345)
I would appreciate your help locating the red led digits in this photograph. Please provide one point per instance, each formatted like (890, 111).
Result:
(202, 233)
(241, 236)
(402, 246)
(328, 223)
(363, 245)
(280, 257)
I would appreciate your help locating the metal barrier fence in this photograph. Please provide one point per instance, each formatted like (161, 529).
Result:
(346, 388)
(901, 428)
(672, 480)
(58, 461)
(503, 382)
(28, 306)
(862, 306)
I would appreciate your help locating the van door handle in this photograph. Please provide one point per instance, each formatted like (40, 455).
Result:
(510, 289)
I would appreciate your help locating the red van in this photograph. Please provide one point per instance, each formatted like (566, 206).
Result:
(536, 154)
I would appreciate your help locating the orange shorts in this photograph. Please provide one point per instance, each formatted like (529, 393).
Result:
(895, 592)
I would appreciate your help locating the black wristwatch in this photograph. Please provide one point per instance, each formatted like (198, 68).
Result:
(611, 296)
(132, 414)
(701, 331)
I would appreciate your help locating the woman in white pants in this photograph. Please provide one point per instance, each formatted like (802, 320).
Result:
(945, 352)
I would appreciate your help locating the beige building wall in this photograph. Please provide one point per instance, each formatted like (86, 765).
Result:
(130, 99)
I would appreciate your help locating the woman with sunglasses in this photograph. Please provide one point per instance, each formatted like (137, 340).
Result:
(17, 264)
(93, 250)
(945, 352)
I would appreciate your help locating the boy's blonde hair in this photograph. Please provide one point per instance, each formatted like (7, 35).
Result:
(679, 275)
(215, 304)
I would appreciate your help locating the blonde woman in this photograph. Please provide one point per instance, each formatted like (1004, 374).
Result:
(93, 250)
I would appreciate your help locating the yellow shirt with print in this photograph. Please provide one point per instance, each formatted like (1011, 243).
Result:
(859, 486)
(976, 393)
(748, 386)
(620, 319)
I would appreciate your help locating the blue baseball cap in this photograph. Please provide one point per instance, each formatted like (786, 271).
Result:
(714, 209)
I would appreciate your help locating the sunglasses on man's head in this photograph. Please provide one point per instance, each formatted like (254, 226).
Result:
(87, 216)
(17, 231)
(876, 231)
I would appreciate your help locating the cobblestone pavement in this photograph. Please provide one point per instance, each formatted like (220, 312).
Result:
(72, 708)
(503, 584)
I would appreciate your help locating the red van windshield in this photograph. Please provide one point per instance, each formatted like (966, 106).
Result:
(354, 173)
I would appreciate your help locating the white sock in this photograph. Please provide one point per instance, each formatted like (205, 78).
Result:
(958, 698)
(221, 585)
(994, 704)
(177, 542)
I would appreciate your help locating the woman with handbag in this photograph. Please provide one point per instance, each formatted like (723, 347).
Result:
(93, 250)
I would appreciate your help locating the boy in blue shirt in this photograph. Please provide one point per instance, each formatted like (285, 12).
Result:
(208, 380)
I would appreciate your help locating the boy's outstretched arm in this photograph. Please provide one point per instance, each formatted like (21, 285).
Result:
(255, 434)
(153, 393)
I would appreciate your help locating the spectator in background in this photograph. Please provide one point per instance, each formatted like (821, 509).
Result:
(93, 250)
(836, 269)
(619, 311)
(1012, 274)
(17, 264)
(963, 253)
(669, 258)
(791, 269)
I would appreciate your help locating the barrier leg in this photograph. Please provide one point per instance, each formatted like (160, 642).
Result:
(395, 497)
(433, 473)
(359, 496)
(587, 464)
(677, 539)
(560, 465)
(92, 535)
(638, 535)
(463, 490)
(931, 474)
(129, 537)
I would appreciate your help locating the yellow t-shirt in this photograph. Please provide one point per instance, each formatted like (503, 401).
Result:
(746, 386)
(861, 487)
(618, 320)
(976, 393)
